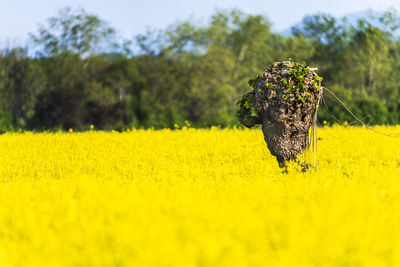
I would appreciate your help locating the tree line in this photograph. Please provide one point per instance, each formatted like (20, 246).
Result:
(75, 74)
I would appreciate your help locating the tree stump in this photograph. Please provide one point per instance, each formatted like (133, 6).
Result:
(284, 100)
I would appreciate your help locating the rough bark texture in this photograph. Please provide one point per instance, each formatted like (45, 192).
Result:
(285, 103)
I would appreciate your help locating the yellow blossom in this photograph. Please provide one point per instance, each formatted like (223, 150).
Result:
(208, 197)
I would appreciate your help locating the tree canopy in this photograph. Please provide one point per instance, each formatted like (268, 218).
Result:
(80, 76)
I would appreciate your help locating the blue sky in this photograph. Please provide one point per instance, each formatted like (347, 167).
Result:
(19, 17)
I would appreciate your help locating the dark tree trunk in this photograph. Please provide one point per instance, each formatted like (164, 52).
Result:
(285, 104)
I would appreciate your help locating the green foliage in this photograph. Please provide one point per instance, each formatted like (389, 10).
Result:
(294, 84)
(375, 110)
(72, 31)
(6, 123)
(298, 74)
(191, 72)
(247, 106)
(253, 82)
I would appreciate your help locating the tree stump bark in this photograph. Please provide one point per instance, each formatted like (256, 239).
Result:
(284, 99)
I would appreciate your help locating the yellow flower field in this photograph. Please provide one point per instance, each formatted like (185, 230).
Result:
(197, 198)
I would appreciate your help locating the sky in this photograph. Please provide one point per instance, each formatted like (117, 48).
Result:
(20, 17)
